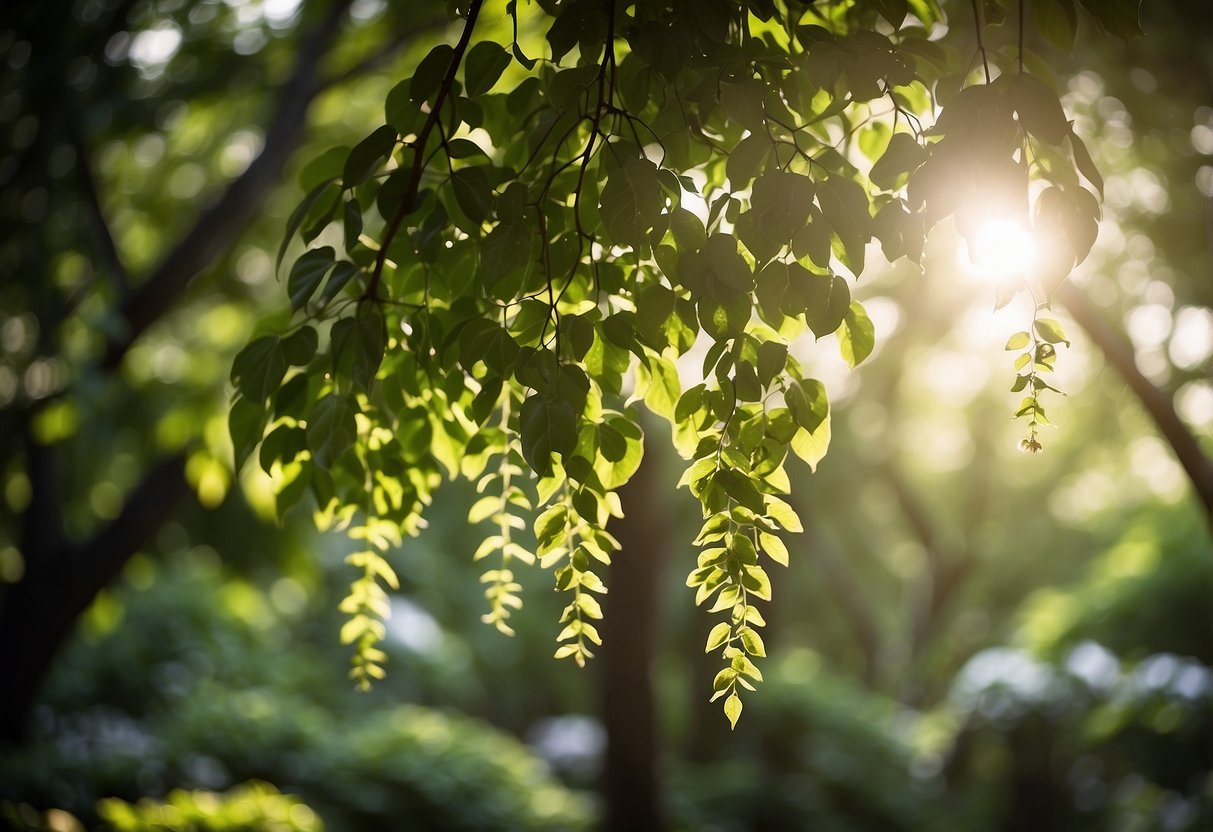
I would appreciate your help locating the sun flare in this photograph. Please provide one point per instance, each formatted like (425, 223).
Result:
(1003, 249)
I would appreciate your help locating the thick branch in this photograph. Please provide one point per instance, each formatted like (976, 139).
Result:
(1159, 405)
(223, 222)
(42, 520)
(378, 57)
(409, 198)
(97, 562)
(87, 182)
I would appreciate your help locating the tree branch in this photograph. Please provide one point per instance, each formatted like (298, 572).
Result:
(377, 58)
(410, 194)
(87, 182)
(223, 222)
(1157, 403)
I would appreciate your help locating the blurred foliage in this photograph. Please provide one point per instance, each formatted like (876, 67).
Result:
(253, 807)
(199, 680)
(250, 807)
(823, 754)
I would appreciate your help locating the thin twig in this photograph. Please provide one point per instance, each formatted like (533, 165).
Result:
(977, 22)
(87, 181)
(410, 195)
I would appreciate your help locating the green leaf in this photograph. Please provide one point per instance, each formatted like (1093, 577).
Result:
(826, 299)
(631, 202)
(546, 426)
(484, 340)
(473, 192)
(808, 402)
(812, 447)
(550, 527)
(902, 157)
(1018, 341)
(844, 202)
(324, 169)
(1051, 331)
(663, 389)
(743, 104)
(1120, 17)
(718, 636)
(342, 273)
(687, 229)
(307, 273)
(352, 224)
(331, 429)
(752, 642)
(856, 336)
(464, 149)
(258, 368)
(894, 11)
(732, 709)
(483, 66)
(774, 547)
(653, 309)
(1057, 20)
(1039, 109)
(772, 358)
(779, 207)
(507, 248)
(1084, 162)
(746, 159)
(297, 217)
(784, 515)
(300, 347)
(614, 473)
(367, 156)
(246, 422)
(430, 72)
(741, 488)
(757, 582)
(358, 345)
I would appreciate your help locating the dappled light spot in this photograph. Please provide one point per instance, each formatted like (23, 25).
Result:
(152, 48)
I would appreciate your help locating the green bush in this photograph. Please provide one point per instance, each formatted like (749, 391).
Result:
(252, 807)
(197, 682)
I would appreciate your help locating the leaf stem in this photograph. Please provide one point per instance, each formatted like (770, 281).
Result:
(978, 21)
(408, 200)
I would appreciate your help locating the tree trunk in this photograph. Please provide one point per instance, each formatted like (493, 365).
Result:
(630, 782)
(62, 579)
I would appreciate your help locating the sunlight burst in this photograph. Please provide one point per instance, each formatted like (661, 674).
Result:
(1003, 249)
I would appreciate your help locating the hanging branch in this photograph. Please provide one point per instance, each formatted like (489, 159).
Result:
(407, 202)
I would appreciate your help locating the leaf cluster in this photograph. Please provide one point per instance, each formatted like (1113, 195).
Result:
(530, 248)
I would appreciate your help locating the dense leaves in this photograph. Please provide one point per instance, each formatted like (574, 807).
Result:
(655, 214)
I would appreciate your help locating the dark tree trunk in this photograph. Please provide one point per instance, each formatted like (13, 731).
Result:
(630, 781)
(62, 579)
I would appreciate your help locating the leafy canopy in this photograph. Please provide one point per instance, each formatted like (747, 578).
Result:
(522, 257)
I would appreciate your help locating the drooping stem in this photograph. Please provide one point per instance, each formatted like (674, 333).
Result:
(419, 145)
(981, 47)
